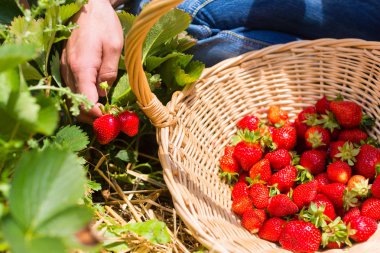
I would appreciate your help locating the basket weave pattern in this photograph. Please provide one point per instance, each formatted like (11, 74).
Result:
(198, 122)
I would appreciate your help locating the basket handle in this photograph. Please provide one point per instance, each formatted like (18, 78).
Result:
(148, 102)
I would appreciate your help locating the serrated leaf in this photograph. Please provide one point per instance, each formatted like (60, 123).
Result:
(13, 55)
(122, 93)
(68, 10)
(127, 156)
(27, 31)
(153, 62)
(126, 20)
(55, 68)
(72, 138)
(190, 74)
(153, 230)
(95, 186)
(45, 184)
(168, 26)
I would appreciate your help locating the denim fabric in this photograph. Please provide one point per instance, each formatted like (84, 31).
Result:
(226, 28)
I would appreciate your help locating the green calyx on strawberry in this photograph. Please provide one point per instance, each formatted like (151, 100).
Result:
(315, 215)
(347, 153)
(336, 232)
(316, 137)
(303, 175)
(247, 150)
(328, 121)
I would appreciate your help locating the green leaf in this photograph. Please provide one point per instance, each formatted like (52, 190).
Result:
(15, 236)
(13, 55)
(30, 73)
(55, 68)
(153, 62)
(190, 74)
(168, 26)
(126, 20)
(127, 156)
(68, 10)
(122, 93)
(47, 115)
(45, 184)
(72, 138)
(153, 230)
(27, 31)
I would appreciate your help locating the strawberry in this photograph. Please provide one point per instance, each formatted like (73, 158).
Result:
(352, 212)
(354, 135)
(106, 128)
(301, 128)
(240, 190)
(281, 205)
(317, 137)
(322, 200)
(229, 150)
(251, 221)
(261, 170)
(247, 154)
(365, 227)
(347, 113)
(242, 204)
(229, 164)
(243, 177)
(276, 115)
(322, 105)
(300, 236)
(375, 189)
(271, 229)
(279, 158)
(303, 194)
(334, 245)
(129, 123)
(250, 122)
(284, 179)
(344, 151)
(261, 214)
(260, 195)
(322, 179)
(314, 161)
(339, 172)
(371, 208)
(285, 137)
(334, 192)
(367, 161)
(359, 184)
(308, 115)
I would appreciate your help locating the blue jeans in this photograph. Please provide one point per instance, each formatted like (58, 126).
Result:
(227, 28)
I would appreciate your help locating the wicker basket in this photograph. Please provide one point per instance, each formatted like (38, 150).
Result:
(198, 122)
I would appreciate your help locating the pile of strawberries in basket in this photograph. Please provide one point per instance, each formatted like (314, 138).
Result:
(306, 184)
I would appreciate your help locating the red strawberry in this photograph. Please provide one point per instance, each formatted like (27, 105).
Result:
(354, 135)
(261, 170)
(276, 115)
(279, 158)
(307, 114)
(301, 128)
(285, 178)
(375, 189)
(314, 161)
(251, 221)
(261, 214)
(334, 192)
(243, 177)
(229, 164)
(281, 205)
(322, 105)
(247, 154)
(344, 151)
(260, 195)
(240, 190)
(352, 212)
(339, 172)
(129, 123)
(229, 150)
(242, 204)
(365, 227)
(322, 179)
(322, 200)
(271, 229)
(250, 122)
(317, 137)
(334, 245)
(106, 128)
(347, 113)
(300, 236)
(303, 194)
(367, 161)
(285, 137)
(371, 208)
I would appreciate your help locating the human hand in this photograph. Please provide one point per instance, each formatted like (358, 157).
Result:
(91, 54)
